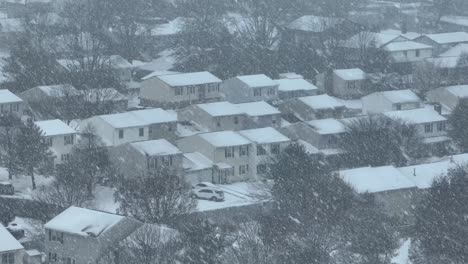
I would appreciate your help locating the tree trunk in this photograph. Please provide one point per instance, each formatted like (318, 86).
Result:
(33, 180)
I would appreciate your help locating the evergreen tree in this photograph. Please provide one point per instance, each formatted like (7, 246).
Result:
(32, 150)
(9, 125)
(458, 125)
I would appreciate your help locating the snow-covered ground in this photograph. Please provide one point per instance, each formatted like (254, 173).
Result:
(22, 183)
(402, 254)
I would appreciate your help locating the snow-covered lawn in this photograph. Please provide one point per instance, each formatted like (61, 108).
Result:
(33, 228)
(402, 256)
(22, 183)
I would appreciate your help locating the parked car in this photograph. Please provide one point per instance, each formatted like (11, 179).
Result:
(204, 185)
(6, 188)
(212, 194)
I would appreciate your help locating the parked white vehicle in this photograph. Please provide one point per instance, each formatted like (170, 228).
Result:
(212, 194)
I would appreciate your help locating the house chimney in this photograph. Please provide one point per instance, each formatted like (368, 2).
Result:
(438, 108)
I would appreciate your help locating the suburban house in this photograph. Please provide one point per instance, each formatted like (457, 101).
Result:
(198, 168)
(228, 116)
(10, 103)
(133, 126)
(268, 143)
(108, 100)
(60, 92)
(180, 89)
(145, 158)
(11, 251)
(392, 189)
(59, 137)
(79, 235)
(430, 126)
(408, 51)
(448, 97)
(443, 41)
(295, 87)
(250, 88)
(225, 147)
(348, 83)
(380, 102)
(313, 107)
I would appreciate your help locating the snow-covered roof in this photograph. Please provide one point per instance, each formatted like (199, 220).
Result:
(327, 126)
(139, 118)
(54, 128)
(456, 51)
(290, 75)
(448, 38)
(224, 138)
(8, 97)
(83, 222)
(377, 179)
(193, 78)
(355, 74)
(416, 116)
(196, 161)
(8, 242)
(322, 101)
(158, 73)
(298, 84)
(424, 174)
(370, 39)
(259, 108)
(400, 96)
(103, 94)
(314, 23)
(159, 147)
(221, 109)
(257, 80)
(406, 45)
(309, 148)
(461, 91)
(408, 35)
(264, 135)
(59, 90)
(457, 20)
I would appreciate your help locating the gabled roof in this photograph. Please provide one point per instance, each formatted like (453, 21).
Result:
(259, 108)
(83, 222)
(327, 126)
(406, 45)
(408, 35)
(315, 24)
(416, 116)
(8, 97)
(139, 118)
(399, 96)
(257, 80)
(448, 38)
(354, 74)
(295, 84)
(224, 138)
(221, 109)
(159, 147)
(7, 241)
(376, 179)
(54, 128)
(264, 135)
(193, 78)
(323, 101)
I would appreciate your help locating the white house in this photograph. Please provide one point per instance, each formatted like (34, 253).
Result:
(250, 88)
(10, 103)
(226, 147)
(443, 41)
(295, 87)
(408, 51)
(348, 83)
(268, 143)
(145, 158)
(180, 89)
(133, 126)
(11, 251)
(448, 97)
(380, 102)
(313, 107)
(59, 137)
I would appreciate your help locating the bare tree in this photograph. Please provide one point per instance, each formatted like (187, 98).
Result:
(426, 77)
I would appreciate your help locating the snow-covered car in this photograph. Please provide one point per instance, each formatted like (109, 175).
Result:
(212, 194)
(204, 185)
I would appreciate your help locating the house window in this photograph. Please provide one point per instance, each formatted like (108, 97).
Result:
(398, 107)
(244, 151)
(121, 133)
(191, 89)
(150, 131)
(68, 139)
(261, 169)
(261, 151)
(218, 122)
(229, 152)
(428, 128)
(64, 157)
(152, 163)
(243, 169)
(275, 149)
(236, 120)
(405, 53)
(417, 53)
(8, 258)
(258, 92)
(441, 126)
(52, 257)
(55, 236)
(351, 85)
(179, 90)
(141, 132)
(271, 92)
(49, 141)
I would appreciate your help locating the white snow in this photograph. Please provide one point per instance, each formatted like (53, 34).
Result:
(401, 96)
(416, 116)
(377, 179)
(54, 128)
(185, 79)
(83, 222)
(327, 126)
(402, 254)
(257, 80)
(354, 74)
(172, 27)
(456, 51)
(406, 45)
(461, 91)
(7, 241)
(259, 108)
(164, 62)
(118, 62)
(60, 90)
(8, 97)
(104, 94)
(159, 147)
(309, 148)
(236, 194)
(298, 84)
(221, 109)
(224, 139)
(448, 38)
(195, 161)
(290, 75)
(158, 73)
(139, 118)
(323, 101)
(408, 35)
(264, 135)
